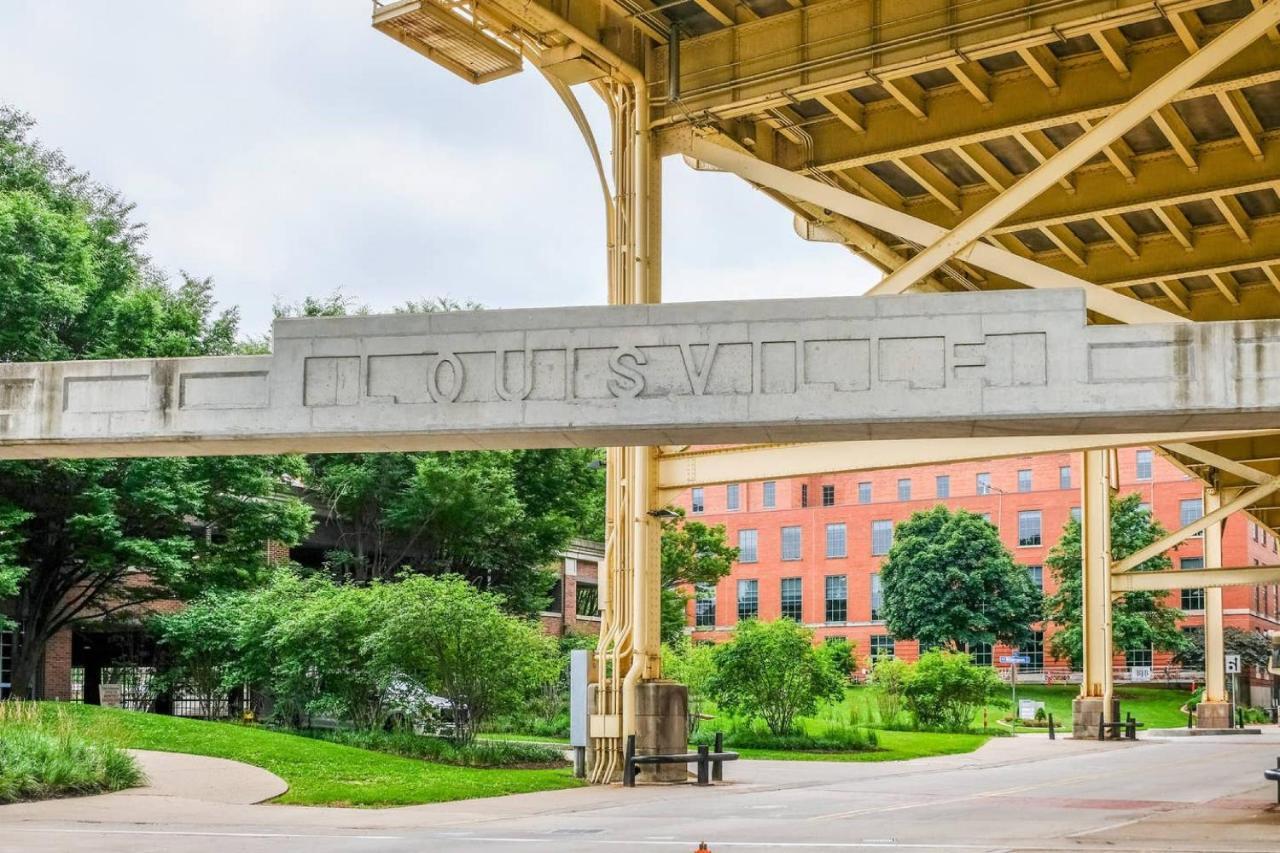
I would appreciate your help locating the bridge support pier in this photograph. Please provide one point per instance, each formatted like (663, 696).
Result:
(1215, 711)
(1094, 703)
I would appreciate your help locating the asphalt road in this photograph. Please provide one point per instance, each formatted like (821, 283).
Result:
(1015, 794)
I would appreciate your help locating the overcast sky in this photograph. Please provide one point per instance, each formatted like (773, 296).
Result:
(286, 148)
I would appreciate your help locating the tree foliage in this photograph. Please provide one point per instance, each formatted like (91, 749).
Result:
(89, 538)
(1139, 620)
(693, 553)
(949, 581)
(771, 671)
(1253, 647)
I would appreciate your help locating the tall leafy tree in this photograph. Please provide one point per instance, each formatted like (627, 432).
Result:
(90, 538)
(1138, 619)
(693, 553)
(950, 581)
(1253, 647)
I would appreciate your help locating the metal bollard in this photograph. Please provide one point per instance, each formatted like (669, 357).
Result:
(629, 768)
(1051, 737)
(704, 765)
(717, 767)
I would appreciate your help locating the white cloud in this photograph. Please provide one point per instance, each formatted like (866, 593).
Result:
(286, 149)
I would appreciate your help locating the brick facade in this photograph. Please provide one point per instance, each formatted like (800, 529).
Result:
(574, 607)
(1048, 485)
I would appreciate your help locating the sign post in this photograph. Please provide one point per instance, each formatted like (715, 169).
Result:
(1232, 669)
(1014, 660)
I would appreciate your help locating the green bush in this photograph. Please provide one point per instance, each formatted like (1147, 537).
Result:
(759, 737)
(889, 680)
(42, 757)
(770, 671)
(536, 724)
(509, 754)
(944, 690)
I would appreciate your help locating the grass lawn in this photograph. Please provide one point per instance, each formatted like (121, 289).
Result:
(319, 773)
(894, 746)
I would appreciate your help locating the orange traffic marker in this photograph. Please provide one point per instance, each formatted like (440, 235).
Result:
(703, 848)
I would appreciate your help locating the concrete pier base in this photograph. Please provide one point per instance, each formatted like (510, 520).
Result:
(1086, 713)
(1213, 715)
(662, 720)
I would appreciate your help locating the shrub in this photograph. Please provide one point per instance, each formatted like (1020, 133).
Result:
(511, 754)
(758, 737)
(945, 690)
(770, 671)
(840, 651)
(692, 665)
(42, 757)
(889, 680)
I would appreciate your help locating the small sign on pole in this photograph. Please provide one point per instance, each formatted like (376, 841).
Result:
(1020, 660)
(1233, 665)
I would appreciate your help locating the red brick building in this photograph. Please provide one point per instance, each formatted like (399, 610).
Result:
(810, 548)
(575, 599)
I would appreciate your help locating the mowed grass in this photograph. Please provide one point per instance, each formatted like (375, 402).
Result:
(893, 746)
(319, 773)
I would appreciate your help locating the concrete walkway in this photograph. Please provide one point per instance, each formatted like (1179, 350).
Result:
(209, 780)
(1192, 795)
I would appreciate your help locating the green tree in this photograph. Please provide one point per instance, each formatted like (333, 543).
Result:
(889, 678)
(1253, 647)
(89, 538)
(457, 642)
(842, 653)
(949, 581)
(1138, 619)
(200, 645)
(693, 553)
(945, 690)
(692, 665)
(771, 671)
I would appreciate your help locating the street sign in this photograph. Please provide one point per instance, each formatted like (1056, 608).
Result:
(1233, 664)
(1020, 660)
(1139, 673)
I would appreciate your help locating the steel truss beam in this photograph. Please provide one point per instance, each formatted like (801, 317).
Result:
(678, 470)
(1207, 578)
(918, 231)
(1242, 33)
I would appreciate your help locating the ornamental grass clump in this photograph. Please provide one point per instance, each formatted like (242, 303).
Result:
(42, 757)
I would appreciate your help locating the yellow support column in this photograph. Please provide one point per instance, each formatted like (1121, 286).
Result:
(1094, 703)
(1214, 712)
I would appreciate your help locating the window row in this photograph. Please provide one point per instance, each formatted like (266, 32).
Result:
(791, 600)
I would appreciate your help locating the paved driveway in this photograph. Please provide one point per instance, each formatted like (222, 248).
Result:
(1015, 794)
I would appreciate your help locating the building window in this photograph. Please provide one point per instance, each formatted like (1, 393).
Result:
(791, 543)
(904, 490)
(1190, 511)
(980, 653)
(837, 540)
(1142, 470)
(1075, 514)
(732, 496)
(748, 600)
(828, 495)
(984, 484)
(1145, 507)
(748, 541)
(697, 502)
(864, 492)
(1028, 528)
(6, 663)
(804, 494)
(1137, 657)
(881, 647)
(877, 597)
(770, 497)
(792, 600)
(837, 598)
(704, 607)
(556, 604)
(986, 516)
(881, 537)
(1034, 651)
(942, 485)
(1024, 480)
(588, 599)
(1191, 599)
(1036, 573)
(1064, 477)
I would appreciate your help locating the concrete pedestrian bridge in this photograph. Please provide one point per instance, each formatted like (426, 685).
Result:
(931, 366)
